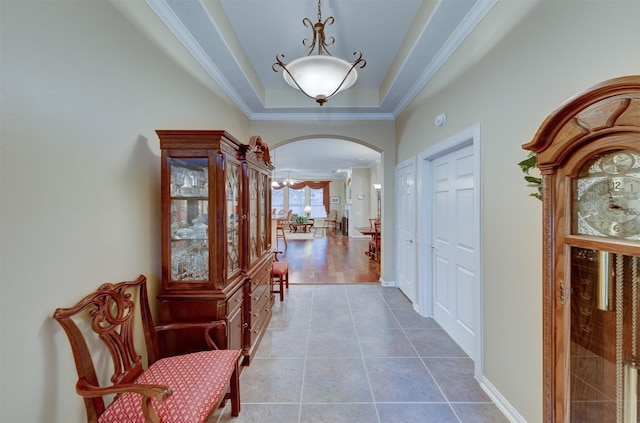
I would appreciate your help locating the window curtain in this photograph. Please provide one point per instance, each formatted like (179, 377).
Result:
(324, 185)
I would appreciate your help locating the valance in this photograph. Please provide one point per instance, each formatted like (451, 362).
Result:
(300, 185)
(323, 185)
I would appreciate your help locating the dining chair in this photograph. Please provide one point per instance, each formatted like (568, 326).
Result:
(331, 221)
(279, 271)
(281, 224)
(374, 243)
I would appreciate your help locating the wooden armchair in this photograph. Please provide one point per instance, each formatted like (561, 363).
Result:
(331, 221)
(281, 225)
(185, 388)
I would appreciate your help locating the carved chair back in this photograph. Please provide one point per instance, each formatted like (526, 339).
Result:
(285, 221)
(112, 310)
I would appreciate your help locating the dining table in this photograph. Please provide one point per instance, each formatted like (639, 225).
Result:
(366, 230)
(373, 252)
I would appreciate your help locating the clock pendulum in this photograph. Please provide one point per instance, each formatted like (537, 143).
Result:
(604, 286)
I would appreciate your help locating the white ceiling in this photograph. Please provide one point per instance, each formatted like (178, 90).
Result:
(321, 159)
(236, 42)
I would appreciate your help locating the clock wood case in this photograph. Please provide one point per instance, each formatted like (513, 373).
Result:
(588, 153)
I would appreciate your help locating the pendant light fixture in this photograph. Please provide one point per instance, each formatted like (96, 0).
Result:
(285, 182)
(320, 76)
(289, 181)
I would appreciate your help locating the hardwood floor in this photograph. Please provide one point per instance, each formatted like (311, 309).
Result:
(331, 259)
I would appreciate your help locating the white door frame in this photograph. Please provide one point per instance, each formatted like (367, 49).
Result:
(400, 240)
(470, 136)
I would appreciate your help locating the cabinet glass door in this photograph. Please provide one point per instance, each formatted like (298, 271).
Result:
(253, 215)
(232, 178)
(264, 188)
(189, 219)
(605, 318)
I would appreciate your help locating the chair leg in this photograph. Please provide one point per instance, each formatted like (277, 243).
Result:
(235, 392)
(284, 238)
(280, 282)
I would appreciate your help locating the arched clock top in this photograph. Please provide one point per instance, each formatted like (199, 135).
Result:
(607, 109)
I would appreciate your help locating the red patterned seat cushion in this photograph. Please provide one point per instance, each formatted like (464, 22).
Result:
(280, 268)
(198, 380)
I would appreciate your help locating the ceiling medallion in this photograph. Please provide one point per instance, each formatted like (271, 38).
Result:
(320, 76)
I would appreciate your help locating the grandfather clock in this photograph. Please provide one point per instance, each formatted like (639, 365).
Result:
(588, 153)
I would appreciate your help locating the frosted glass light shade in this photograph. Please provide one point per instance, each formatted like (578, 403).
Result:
(319, 76)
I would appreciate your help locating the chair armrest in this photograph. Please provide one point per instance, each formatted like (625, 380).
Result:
(148, 392)
(206, 326)
(159, 392)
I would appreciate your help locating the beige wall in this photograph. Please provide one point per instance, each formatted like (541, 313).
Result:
(82, 93)
(558, 49)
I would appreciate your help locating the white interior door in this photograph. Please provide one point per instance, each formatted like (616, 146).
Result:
(454, 246)
(405, 251)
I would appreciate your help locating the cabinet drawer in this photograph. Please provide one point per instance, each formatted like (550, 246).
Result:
(258, 294)
(235, 301)
(260, 305)
(261, 277)
(258, 324)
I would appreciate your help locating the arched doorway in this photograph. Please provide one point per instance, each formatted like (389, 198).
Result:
(353, 171)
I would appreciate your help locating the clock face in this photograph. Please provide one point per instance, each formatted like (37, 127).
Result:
(608, 196)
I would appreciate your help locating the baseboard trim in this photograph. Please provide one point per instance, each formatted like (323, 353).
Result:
(388, 284)
(501, 402)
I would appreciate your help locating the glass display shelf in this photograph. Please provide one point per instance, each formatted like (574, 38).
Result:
(232, 181)
(189, 219)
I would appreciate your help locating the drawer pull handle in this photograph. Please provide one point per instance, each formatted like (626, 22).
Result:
(256, 314)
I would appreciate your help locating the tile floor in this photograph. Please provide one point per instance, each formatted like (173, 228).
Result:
(357, 353)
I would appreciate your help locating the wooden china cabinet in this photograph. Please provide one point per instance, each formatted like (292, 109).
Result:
(588, 152)
(216, 238)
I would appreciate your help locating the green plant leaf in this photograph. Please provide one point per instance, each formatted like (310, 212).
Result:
(526, 165)
(529, 163)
